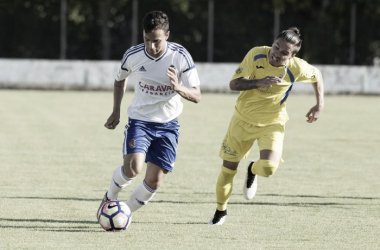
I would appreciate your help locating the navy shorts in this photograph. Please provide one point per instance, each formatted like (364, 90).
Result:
(158, 141)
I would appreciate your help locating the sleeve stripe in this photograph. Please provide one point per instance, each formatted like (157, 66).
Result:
(133, 49)
(183, 52)
(130, 52)
(192, 67)
(259, 56)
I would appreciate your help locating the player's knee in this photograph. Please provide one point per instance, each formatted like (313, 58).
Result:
(269, 171)
(130, 171)
(132, 168)
(153, 183)
(267, 168)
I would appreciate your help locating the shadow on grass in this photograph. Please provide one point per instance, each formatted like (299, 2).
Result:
(172, 223)
(253, 203)
(54, 198)
(50, 221)
(296, 196)
(334, 204)
(48, 225)
(323, 197)
(292, 204)
(211, 194)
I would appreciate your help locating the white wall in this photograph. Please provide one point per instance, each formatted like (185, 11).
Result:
(71, 74)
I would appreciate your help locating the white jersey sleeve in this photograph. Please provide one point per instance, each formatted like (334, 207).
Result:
(188, 74)
(126, 69)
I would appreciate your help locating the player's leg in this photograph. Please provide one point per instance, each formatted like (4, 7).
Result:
(136, 142)
(265, 166)
(236, 146)
(124, 175)
(224, 184)
(270, 142)
(224, 187)
(141, 195)
(137, 139)
(160, 160)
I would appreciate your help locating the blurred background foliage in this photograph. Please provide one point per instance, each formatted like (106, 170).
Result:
(102, 29)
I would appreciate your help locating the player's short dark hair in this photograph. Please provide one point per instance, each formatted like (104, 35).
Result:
(156, 20)
(292, 36)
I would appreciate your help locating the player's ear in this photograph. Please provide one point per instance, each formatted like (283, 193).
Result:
(167, 34)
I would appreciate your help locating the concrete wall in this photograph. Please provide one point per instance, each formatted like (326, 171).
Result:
(75, 74)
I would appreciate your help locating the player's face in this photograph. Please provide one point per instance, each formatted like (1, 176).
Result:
(280, 52)
(155, 42)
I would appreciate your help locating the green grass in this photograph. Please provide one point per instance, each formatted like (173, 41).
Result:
(56, 161)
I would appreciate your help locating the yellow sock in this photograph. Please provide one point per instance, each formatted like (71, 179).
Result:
(224, 187)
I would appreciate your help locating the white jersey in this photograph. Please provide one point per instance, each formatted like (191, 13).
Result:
(155, 100)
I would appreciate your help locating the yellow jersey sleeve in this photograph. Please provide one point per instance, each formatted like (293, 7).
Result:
(307, 73)
(245, 68)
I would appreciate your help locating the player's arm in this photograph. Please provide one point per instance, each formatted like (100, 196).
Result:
(118, 93)
(244, 77)
(241, 84)
(192, 94)
(316, 111)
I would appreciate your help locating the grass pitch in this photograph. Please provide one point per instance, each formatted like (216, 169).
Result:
(56, 161)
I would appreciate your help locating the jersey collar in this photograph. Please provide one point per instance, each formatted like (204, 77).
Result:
(159, 58)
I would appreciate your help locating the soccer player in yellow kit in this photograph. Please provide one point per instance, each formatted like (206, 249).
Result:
(265, 79)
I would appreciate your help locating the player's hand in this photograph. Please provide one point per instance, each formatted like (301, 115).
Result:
(313, 114)
(268, 81)
(172, 74)
(112, 121)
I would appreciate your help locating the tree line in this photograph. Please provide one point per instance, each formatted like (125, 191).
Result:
(333, 32)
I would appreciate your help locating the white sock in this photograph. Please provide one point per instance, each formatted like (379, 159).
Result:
(118, 182)
(140, 196)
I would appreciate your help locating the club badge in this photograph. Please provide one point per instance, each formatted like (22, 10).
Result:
(131, 143)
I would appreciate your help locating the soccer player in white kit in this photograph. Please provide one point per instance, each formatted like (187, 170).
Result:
(162, 72)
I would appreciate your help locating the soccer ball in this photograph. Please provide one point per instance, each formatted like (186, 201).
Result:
(114, 216)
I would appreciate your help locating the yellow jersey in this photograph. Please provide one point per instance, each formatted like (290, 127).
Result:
(265, 106)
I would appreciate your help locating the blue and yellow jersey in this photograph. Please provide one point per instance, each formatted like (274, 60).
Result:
(265, 106)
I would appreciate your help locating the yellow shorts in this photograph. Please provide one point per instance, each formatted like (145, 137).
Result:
(241, 135)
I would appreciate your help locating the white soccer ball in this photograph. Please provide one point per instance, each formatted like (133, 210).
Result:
(115, 216)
